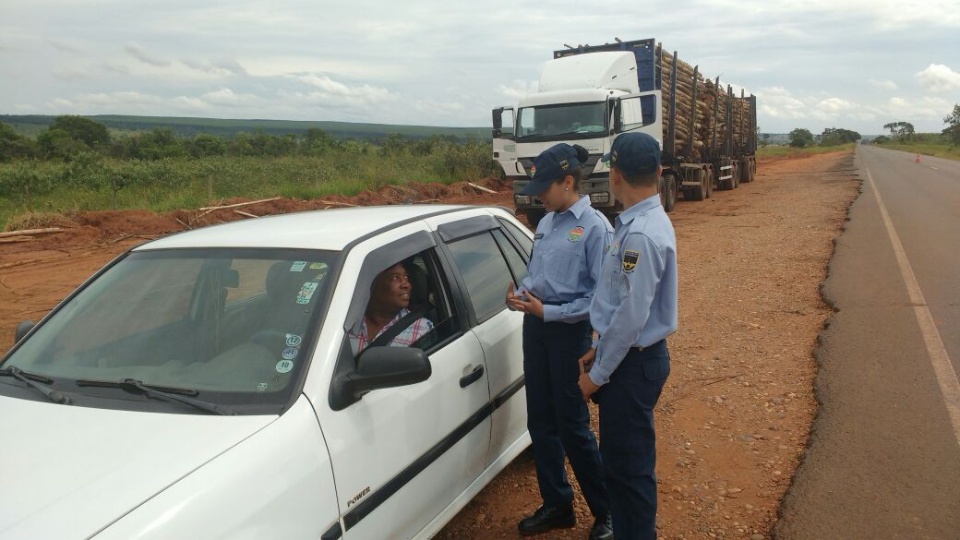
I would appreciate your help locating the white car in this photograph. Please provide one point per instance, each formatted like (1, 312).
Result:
(204, 385)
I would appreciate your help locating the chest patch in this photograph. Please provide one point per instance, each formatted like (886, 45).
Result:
(576, 234)
(630, 259)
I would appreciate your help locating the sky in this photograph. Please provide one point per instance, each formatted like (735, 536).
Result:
(815, 64)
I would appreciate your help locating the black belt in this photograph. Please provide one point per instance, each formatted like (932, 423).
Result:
(551, 303)
(639, 348)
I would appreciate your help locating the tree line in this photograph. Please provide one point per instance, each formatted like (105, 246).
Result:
(78, 161)
(70, 135)
(899, 131)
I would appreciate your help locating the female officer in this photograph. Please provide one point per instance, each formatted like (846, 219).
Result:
(555, 296)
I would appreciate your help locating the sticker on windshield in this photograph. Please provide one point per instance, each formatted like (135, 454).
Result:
(262, 387)
(284, 366)
(298, 266)
(306, 292)
(289, 353)
(318, 266)
(294, 340)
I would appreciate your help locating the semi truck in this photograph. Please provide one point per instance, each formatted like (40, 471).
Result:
(589, 95)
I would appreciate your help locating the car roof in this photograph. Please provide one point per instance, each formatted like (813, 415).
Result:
(318, 229)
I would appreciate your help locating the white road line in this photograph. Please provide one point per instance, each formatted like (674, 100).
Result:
(942, 367)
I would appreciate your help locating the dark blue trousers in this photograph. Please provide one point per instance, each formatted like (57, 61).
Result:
(557, 415)
(628, 441)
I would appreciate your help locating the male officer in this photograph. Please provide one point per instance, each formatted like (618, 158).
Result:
(633, 311)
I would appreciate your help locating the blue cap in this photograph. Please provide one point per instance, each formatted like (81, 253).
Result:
(551, 165)
(634, 153)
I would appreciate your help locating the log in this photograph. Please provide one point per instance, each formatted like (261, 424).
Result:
(238, 205)
(480, 188)
(31, 232)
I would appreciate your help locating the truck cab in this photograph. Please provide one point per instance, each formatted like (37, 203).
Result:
(585, 99)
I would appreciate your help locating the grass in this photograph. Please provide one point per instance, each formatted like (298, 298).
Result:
(169, 184)
(792, 152)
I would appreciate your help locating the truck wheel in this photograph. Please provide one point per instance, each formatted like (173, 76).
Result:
(534, 216)
(746, 175)
(697, 193)
(668, 192)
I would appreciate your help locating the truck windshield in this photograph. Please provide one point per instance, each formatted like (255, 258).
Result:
(229, 326)
(561, 122)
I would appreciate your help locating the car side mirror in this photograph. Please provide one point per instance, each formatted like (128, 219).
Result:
(380, 367)
(23, 329)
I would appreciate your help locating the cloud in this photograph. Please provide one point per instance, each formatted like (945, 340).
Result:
(884, 84)
(517, 89)
(220, 67)
(61, 45)
(137, 52)
(938, 78)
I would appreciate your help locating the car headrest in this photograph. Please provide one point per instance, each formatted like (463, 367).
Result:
(420, 286)
(284, 281)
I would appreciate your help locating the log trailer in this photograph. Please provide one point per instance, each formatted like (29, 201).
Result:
(588, 95)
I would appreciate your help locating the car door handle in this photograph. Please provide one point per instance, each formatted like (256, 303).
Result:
(472, 377)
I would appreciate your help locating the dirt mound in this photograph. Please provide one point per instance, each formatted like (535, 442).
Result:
(107, 227)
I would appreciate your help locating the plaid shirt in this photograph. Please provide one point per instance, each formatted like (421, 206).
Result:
(405, 338)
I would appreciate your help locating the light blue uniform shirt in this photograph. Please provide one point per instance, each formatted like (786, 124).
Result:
(565, 262)
(635, 304)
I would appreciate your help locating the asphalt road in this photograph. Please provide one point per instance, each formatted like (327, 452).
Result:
(884, 455)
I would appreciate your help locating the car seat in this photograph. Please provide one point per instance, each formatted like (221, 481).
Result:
(288, 304)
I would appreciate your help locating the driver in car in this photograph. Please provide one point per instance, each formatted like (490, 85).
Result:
(387, 319)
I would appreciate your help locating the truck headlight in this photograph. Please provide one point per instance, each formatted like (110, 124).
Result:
(602, 197)
(521, 199)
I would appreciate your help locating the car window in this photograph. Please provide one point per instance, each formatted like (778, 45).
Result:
(485, 273)
(227, 323)
(431, 318)
(518, 267)
(520, 237)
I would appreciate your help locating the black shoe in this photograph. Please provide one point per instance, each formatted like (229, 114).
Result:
(545, 519)
(602, 529)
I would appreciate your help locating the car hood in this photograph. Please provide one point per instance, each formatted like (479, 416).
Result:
(78, 469)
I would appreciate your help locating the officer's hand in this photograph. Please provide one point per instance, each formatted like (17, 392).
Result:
(528, 303)
(587, 386)
(586, 361)
(513, 301)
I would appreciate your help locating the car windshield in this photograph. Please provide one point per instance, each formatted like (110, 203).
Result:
(232, 326)
(566, 121)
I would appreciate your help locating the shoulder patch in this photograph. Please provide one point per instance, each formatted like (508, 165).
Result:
(630, 259)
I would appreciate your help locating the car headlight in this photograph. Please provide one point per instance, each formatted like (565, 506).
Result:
(521, 199)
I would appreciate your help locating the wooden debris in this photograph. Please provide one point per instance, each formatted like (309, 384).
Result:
(238, 205)
(30, 232)
(337, 203)
(480, 188)
(16, 239)
(248, 214)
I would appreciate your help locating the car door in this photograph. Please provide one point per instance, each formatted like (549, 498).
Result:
(401, 455)
(487, 264)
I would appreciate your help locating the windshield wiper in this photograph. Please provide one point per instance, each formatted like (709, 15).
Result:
(37, 382)
(180, 395)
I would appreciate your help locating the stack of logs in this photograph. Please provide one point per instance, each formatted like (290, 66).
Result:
(708, 93)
